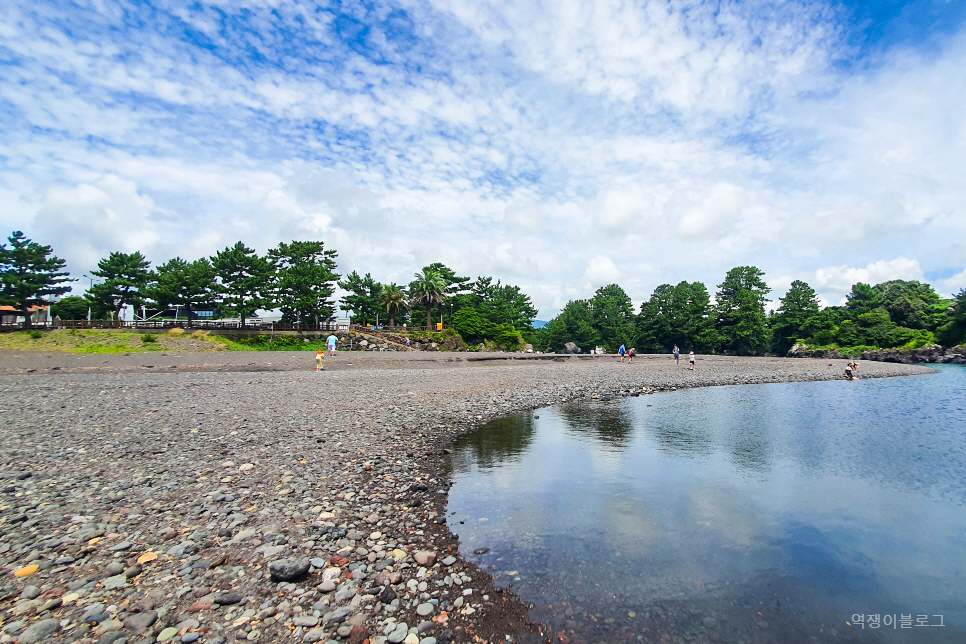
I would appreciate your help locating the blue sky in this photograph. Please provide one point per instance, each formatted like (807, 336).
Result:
(556, 145)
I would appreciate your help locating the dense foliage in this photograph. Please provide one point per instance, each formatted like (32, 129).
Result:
(302, 281)
(299, 279)
(795, 317)
(243, 284)
(740, 311)
(125, 278)
(677, 315)
(71, 307)
(894, 314)
(179, 283)
(29, 274)
(363, 298)
(953, 332)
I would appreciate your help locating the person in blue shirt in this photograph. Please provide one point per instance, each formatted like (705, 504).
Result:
(621, 352)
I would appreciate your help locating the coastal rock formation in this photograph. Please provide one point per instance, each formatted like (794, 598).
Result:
(931, 354)
(570, 347)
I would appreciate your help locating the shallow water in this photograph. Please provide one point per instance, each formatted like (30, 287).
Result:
(754, 513)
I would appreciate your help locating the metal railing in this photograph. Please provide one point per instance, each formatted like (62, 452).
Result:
(395, 329)
(214, 325)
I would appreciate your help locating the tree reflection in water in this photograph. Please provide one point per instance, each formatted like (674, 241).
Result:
(610, 423)
(496, 442)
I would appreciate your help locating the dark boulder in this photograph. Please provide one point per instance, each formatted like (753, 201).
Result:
(289, 569)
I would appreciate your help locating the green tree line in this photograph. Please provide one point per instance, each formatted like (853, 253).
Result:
(298, 278)
(895, 314)
(482, 311)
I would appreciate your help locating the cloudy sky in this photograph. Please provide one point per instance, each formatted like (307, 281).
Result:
(559, 145)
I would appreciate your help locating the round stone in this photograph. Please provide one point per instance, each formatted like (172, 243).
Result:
(288, 569)
(39, 631)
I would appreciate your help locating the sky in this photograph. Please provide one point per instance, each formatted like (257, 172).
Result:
(557, 145)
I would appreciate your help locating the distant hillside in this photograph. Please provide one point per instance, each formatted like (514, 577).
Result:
(538, 324)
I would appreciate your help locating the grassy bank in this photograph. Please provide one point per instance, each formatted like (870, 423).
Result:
(107, 341)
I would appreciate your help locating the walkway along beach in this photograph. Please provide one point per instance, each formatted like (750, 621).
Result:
(226, 496)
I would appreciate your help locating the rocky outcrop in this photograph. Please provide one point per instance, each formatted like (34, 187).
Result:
(373, 341)
(570, 347)
(933, 353)
(802, 351)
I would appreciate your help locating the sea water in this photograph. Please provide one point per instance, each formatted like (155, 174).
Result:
(798, 512)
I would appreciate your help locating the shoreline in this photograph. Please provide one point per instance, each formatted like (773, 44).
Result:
(221, 463)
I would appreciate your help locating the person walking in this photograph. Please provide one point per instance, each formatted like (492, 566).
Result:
(320, 360)
(621, 352)
(691, 360)
(630, 355)
(677, 354)
(330, 344)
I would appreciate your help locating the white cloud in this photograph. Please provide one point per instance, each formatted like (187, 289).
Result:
(834, 282)
(716, 215)
(88, 221)
(600, 271)
(623, 209)
(536, 143)
(952, 284)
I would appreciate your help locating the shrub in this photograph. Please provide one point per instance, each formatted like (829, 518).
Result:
(148, 338)
(200, 335)
(175, 332)
(36, 335)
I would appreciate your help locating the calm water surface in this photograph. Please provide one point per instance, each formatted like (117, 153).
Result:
(756, 513)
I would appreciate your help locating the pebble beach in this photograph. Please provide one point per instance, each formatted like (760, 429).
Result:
(242, 497)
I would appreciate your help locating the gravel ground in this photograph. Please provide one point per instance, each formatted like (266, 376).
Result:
(245, 496)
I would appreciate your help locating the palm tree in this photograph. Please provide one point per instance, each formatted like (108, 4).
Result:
(394, 300)
(427, 289)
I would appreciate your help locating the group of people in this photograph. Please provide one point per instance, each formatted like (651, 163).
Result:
(629, 354)
(330, 343)
(677, 357)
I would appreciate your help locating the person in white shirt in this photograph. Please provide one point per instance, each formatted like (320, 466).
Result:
(691, 360)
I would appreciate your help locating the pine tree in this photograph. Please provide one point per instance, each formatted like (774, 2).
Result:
(741, 310)
(181, 283)
(125, 276)
(613, 314)
(794, 317)
(29, 273)
(243, 280)
(304, 281)
(364, 297)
